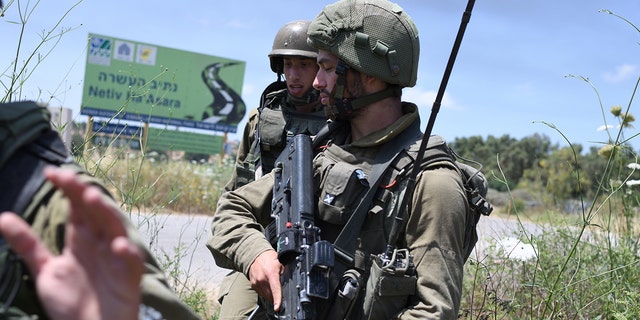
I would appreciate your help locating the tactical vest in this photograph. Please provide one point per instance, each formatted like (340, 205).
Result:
(344, 180)
(277, 122)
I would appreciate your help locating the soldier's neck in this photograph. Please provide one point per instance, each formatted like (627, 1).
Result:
(375, 116)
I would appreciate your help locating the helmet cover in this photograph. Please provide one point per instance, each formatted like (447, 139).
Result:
(375, 37)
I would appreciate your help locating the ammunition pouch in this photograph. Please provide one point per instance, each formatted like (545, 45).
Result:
(389, 285)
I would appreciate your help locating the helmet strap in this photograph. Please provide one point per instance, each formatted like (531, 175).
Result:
(343, 107)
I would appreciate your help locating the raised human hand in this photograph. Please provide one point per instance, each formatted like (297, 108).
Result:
(97, 275)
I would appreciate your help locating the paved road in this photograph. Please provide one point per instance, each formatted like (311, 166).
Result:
(185, 236)
(505, 232)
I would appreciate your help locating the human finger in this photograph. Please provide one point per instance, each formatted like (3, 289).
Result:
(24, 242)
(131, 255)
(276, 291)
(103, 217)
(88, 204)
(66, 180)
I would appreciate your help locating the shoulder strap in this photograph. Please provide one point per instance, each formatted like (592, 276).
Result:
(22, 173)
(20, 123)
(28, 145)
(265, 99)
(327, 132)
(344, 246)
(272, 87)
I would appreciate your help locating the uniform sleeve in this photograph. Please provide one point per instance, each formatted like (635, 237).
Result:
(49, 224)
(237, 229)
(435, 237)
(243, 148)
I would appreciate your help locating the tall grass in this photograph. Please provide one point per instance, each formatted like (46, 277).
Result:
(589, 269)
(24, 63)
(145, 183)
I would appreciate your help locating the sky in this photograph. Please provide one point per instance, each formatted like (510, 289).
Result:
(519, 70)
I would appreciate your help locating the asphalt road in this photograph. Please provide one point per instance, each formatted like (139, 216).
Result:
(183, 238)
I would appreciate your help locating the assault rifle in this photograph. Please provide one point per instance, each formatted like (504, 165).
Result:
(306, 258)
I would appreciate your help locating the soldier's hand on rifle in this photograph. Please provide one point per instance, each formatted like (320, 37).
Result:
(264, 275)
(97, 275)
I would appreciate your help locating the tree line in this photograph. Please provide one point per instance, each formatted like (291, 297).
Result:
(536, 164)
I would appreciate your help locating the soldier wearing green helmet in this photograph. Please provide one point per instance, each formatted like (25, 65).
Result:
(368, 52)
(291, 40)
(370, 146)
(286, 108)
(381, 42)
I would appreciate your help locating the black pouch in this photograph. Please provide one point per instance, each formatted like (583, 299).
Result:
(348, 292)
(342, 190)
(391, 282)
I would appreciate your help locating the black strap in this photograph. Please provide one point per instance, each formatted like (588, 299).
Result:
(22, 175)
(344, 246)
(326, 132)
(272, 87)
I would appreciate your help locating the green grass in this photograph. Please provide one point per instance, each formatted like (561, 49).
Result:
(144, 183)
(587, 266)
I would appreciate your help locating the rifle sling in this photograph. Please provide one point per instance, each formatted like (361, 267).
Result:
(344, 246)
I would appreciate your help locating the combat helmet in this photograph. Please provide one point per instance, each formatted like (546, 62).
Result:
(291, 40)
(375, 37)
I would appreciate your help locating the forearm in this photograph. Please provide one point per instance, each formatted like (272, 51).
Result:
(237, 229)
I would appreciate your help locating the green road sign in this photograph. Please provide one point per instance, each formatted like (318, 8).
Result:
(141, 82)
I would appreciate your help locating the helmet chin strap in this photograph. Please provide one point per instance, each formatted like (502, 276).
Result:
(343, 108)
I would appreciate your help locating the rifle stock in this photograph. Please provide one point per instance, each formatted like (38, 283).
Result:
(306, 258)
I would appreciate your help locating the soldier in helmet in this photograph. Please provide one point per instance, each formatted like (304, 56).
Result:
(368, 52)
(286, 108)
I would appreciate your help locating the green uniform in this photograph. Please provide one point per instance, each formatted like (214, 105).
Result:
(47, 213)
(48, 218)
(264, 137)
(435, 219)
